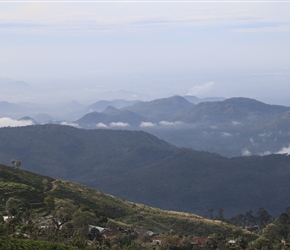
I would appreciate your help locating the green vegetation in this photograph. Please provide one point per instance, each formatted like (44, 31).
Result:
(21, 244)
(45, 213)
(137, 215)
(42, 208)
(138, 167)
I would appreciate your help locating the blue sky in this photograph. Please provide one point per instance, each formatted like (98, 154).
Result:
(88, 51)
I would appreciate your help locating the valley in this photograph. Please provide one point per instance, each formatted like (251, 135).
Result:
(139, 167)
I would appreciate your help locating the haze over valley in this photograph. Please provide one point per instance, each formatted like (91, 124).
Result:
(230, 127)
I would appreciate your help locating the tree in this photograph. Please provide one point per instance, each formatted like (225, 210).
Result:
(261, 243)
(16, 207)
(45, 183)
(210, 211)
(81, 221)
(64, 210)
(17, 164)
(250, 218)
(271, 232)
(18, 211)
(220, 215)
(94, 234)
(283, 223)
(1, 218)
(13, 162)
(263, 217)
(2, 223)
(239, 220)
(49, 202)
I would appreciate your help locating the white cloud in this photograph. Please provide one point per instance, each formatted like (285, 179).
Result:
(147, 124)
(246, 152)
(119, 124)
(101, 125)
(266, 153)
(201, 90)
(284, 150)
(226, 134)
(70, 124)
(266, 134)
(235, 123)
(166, 123)
(8, 122)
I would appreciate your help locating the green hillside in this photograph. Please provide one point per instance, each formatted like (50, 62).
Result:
(34, 188)
(64, 152)
(39, 191)
(138, 167)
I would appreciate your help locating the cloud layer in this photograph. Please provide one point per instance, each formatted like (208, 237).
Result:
(8, 122)
(284, 150)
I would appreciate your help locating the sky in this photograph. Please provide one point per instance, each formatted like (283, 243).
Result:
(59, 51)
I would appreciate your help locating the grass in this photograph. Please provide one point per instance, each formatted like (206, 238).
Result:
(30, 186)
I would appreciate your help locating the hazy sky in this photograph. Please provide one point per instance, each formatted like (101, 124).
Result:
(90, 50)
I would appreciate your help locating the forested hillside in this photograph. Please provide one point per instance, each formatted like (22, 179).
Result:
(139, 167)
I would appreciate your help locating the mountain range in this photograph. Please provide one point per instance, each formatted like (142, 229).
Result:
(139, 167)
(230, 127)
(69, 111)
(231, 111)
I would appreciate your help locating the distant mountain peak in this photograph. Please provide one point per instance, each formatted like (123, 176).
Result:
(27, 118)
(253, 104)
(160, 109)
(103, 104)
(175, 98)
(110, 110)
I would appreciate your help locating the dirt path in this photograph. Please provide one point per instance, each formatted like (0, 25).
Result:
(54, 186)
